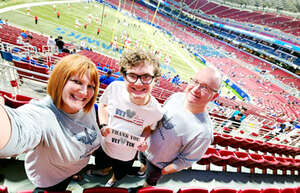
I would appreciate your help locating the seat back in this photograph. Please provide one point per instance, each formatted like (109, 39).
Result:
(288, 190)
(192, 190)
(250, 190)
(3, 189)
(7, 56)
(270, 190)
(31, 191)
(155, 190)
(223, 190)
(105, 189)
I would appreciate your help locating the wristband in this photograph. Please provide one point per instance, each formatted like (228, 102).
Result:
(102, 125)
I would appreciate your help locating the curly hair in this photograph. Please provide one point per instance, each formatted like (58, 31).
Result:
(133, 58)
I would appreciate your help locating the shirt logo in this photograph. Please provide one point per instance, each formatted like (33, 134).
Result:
(130, 113)
(129, 116)
(87, 137)
(165, 123)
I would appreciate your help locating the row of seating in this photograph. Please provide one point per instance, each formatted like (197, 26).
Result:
(38, 69)
(254, 145)
(248, 160)
(3, 189)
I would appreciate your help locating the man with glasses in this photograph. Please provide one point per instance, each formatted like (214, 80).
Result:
(185, 131)
(127, 107)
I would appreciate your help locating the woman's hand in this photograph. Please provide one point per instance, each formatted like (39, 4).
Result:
(105, 131)
(2, 100)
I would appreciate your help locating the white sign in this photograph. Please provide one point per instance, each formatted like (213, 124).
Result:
(124, 139)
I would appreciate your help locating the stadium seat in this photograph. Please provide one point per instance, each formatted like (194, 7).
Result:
(2, 93)
(223, 190)
(24, 66)
(3, 189)
(270, 190)
(192, 190)
(236, 142)
(217, 138)
(13, 103)
(105, 189)
(298, 189)
(270, 162)
(283, 163)
(255, 160)
(226, 158)
(227, 139)
(242, 160)
(155, 190)
(7, 56)
(248, 144)
(40, 70)
(30, 191)
(209, 156)
(250, 190)
(288, 190)
(23, 98)
(259, 145)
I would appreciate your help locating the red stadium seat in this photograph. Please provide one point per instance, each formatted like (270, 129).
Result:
(227, 139)
(223, 190)
(226, 157)
(13, 103)
(249, 191)
(155, 190)
(23, 98)
(283, 163)
(255, 160)
(30, 191)
(248, 144)
(192, 190)
(40, 70)
(270, 162)
(217, 138)
(206, 158)
(14, 83)
(105, 189)
(259, 145)
(242, 159)
(288, 190)
(292, 164)
(3, 189)
(2, 93)
(270, 190)
(25, 66)
(236, 142)
(298, 190)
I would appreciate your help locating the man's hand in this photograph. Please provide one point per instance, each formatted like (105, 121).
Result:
(169, 169)
(105, 131)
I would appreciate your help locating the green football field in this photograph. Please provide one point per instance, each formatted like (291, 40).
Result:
(113, 25)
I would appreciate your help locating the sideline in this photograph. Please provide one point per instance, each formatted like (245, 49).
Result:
(14, 7)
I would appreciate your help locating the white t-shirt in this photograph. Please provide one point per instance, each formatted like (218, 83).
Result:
(128, 117)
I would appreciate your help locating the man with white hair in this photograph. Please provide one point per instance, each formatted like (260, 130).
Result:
(185, 131)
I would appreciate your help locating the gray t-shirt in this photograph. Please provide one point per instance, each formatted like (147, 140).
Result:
(181, 138)
(58, 145)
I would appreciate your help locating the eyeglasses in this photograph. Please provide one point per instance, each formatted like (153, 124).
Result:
(145, 78)
(203, 86)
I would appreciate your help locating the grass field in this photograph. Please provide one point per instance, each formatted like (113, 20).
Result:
(113, 23)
